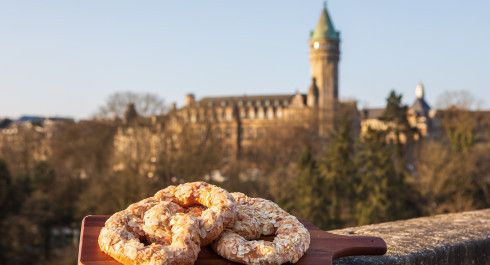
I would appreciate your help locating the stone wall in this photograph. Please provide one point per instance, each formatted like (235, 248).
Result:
(460, 238)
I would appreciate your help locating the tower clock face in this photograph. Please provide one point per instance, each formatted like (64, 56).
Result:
(316, 45)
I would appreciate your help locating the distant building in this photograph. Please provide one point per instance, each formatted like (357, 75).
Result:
(42, 119)
(431, 123)
(242, 119)
(237, 121)
(419, 116)
(27, 139)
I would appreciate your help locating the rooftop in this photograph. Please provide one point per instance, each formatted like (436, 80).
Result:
(325, 29)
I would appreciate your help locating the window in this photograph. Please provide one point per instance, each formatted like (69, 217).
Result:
(228, 132)
(228, 150)
(249, 133)
(260, 133)
(229, 115)
(217, 132)
(201, 132)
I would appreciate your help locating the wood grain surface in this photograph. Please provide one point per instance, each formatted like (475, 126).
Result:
(324, 246)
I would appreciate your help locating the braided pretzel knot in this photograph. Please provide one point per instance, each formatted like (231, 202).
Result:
(173, 233)
(257, 216)
(220, 206)
(174, 236)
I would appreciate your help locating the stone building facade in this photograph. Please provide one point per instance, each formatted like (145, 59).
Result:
(241, 119)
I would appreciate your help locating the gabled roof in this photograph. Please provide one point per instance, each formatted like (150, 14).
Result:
(367, 114)
(421, 107)
(325, 29)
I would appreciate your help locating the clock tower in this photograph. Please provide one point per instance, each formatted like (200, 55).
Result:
(324, 58)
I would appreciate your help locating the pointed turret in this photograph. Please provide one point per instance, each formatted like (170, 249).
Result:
(312, 96)
(325, 29)
(419, 113)
(420, 106)
(324, 58)
(419, 91)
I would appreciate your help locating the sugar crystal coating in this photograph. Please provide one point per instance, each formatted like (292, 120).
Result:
(256, 217)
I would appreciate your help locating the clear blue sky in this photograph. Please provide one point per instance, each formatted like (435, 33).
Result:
(66, 57)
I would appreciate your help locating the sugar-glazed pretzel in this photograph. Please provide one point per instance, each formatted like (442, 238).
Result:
(257, 217)
(171, 236)
(220, 206)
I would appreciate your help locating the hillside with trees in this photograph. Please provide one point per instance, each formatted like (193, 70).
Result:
(345, 180)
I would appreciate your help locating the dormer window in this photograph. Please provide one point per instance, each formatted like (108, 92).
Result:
(260, 114)
(279, 113)
(251, 114)
(270, 113)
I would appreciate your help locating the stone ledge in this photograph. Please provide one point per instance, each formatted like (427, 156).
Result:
(460, 238)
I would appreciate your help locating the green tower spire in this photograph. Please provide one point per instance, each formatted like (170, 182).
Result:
(325, 29)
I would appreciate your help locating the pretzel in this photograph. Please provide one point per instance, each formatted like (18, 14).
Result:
(257, 217)
(219, 208)
(171, 236)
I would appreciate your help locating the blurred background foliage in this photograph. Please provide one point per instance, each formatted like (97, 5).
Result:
(345, 180)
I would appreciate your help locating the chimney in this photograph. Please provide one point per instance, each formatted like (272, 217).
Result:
(130, 113)
(189, 99)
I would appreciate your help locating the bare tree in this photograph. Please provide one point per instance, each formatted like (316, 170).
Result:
(146, 104)
(447, 181)
(458, 99)
(462, 120)
(275, 153)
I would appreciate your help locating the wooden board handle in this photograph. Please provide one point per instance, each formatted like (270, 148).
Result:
(359, 245)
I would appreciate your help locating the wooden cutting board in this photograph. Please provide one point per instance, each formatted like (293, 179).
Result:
(324, 246)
